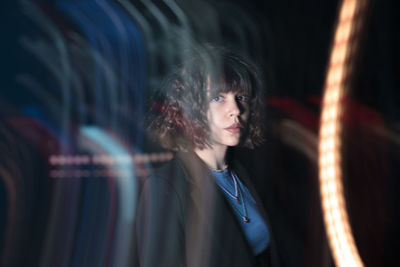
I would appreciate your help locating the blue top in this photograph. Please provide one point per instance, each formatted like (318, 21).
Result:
(256, 230)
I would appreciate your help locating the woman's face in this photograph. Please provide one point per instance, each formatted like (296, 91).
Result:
(227, 118)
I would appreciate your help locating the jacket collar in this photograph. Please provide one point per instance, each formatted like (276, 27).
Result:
(202, 183)
(201, 180)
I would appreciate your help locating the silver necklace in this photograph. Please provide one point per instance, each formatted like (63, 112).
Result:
(244, 215)
(238, 193)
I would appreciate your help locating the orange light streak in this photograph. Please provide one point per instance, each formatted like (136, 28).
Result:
(336, 220)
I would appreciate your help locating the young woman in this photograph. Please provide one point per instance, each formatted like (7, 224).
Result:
(200, 209)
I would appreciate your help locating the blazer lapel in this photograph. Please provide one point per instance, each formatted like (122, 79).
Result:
(242, 174)
(244, 177)
(199, 224)
(197, 175)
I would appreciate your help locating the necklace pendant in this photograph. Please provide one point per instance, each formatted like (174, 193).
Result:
(245, 219)
(237, 200)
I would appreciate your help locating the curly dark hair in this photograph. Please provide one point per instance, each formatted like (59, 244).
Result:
(178, 114)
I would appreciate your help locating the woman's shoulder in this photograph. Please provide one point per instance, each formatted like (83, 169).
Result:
(168, 178)
(166, 170)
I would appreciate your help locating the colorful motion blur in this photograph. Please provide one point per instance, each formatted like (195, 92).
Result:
(76, 123)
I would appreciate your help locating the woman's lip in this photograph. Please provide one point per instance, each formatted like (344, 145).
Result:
(234, 129)
(234, 125)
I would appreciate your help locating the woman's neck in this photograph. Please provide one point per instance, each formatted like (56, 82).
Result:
(214, 157)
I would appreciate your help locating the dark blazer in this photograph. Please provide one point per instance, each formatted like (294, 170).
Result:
(183, 219)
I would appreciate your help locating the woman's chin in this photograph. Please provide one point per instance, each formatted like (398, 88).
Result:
(232, 142)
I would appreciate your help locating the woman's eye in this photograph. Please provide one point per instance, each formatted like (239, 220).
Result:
(242, 98)
(217, 99)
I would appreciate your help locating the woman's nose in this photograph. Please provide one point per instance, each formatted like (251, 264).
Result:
(233, 108)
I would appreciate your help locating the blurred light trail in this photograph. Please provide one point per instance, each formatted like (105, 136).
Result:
(126, 185)
(108, 39)
(84, 159)
(103, 165)
(336, 220)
